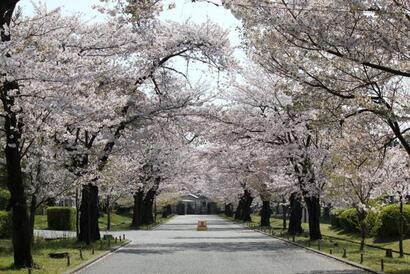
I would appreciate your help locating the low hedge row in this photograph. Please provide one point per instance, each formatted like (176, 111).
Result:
(383, 223)
(61, 218)
(5, 224)
(390, 219)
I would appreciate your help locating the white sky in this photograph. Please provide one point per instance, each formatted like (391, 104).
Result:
(185, 10)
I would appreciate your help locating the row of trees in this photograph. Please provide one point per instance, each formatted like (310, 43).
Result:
(317, 115)
(321, 114)
(96, 106)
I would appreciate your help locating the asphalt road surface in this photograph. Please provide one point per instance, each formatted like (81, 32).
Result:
(176, 247)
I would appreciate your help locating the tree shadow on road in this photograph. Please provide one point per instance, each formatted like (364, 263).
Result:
(349, 271)
(207, 247)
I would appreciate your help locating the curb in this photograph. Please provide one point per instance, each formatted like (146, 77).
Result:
(362, 267)
(91, 261)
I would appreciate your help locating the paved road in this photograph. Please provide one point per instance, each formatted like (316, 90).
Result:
(176, 247)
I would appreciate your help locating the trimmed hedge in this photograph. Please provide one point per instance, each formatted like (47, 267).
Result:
(390, 216)
(5, 224)
(4, 198)
(347, 220)
(335, 217)
(61, 218)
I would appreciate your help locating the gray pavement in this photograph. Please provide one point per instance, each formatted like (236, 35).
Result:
(176, 247)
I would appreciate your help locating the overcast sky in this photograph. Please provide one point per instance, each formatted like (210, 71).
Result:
(185, 10)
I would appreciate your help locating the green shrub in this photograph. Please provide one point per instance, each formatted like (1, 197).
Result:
(123, 209)
(5, 224)
(348, 220)
(389, 217)
(4, 198)
(335, 217)
(61, 218)
(373, 223)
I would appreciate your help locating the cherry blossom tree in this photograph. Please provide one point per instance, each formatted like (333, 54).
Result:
(358, 169)
(396, 183)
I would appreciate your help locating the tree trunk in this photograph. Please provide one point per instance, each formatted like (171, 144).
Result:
(33, 206)
(265, 214)
(238, 212)
(326, 211)
(313, 207)
(228, 210)
(77, 214)
(295, 218)
(284, 213)
(147, 206)
(246, 206)
(18, 200)
(108, 209)
(21, 236)
(89, 230)
(137, 210)
(361, 216)
(401, 227)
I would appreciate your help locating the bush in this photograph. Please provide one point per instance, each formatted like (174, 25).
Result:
(61, 218)
(389, 217)
(373, 223)
(5, 224)
(335, 217)
(348, 220)
(4, 198)
(123, 210)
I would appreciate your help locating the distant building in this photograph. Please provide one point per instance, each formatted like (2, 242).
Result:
(193, 204)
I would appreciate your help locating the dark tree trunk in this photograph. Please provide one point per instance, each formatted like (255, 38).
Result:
(21, 236)
(361, 216)
(137, 210)
(265, 213)
(402, 225)
(284, 215)
(277, 209)
(33, 206)
(18, 200)
(108, 210)
(228, 210)
(238, 212)
(313, 207)
(89, 230)
(147, 206)
(166, 211)
(77, 214)
(326, 211)
(246, 206)
(295, 218)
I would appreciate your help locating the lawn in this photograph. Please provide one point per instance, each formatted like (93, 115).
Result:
(45, 264)
(118, 222)
(372, 256)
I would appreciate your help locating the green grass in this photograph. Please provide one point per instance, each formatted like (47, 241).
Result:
(46, 265)
(41, 248)
(327, 230)
(372, 256)
(118, 222)
(40, 222)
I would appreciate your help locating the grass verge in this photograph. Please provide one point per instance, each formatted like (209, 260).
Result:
(371, 256)
(118, 222)
(46, 265)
